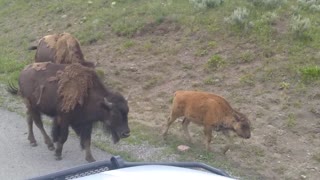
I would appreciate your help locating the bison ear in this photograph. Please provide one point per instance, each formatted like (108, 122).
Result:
(106, 104)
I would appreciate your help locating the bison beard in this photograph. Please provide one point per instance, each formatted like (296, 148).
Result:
(74, 96)
(108, 130)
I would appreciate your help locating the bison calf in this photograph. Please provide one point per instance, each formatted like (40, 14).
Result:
(209, 110)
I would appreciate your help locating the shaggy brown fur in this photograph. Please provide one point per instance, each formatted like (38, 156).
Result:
(73, 86)
(60, 48)
(38, 66)
(209, 110)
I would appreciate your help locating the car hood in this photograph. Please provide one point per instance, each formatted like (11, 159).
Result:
(147, 172)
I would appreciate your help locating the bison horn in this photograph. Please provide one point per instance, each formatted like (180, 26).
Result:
(107, 103)
(127, 98)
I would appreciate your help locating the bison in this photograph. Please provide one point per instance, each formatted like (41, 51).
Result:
(61, 49)
(209, 110)
(74, 96)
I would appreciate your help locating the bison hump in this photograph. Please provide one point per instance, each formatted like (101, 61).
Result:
(73, 85)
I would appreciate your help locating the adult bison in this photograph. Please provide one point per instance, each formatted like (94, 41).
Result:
(61, 49)
(211, 111)
(74, 96)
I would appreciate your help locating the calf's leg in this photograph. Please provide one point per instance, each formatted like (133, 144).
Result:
(185, 124)
(170, 120)
(208, 134)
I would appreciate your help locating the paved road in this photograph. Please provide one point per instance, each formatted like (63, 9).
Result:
(18, 160)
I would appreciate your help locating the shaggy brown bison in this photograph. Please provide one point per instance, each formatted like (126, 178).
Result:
(211, 111)
(73, 95)
(61, 49)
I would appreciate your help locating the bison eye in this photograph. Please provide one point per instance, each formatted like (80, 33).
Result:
(244, 126)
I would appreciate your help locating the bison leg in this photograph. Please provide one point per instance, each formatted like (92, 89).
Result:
(89, 156)
(31, 138)
(85, 141)
(170, 120)
(208, 134)
(63, 136)
(38, 122)
(185, 124)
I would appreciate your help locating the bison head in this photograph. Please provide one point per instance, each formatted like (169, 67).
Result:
(116, 120)
(242, 125)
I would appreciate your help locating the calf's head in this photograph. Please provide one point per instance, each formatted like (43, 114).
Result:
(116, 117)
(241, 125)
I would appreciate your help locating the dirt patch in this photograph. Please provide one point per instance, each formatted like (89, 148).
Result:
(160, 28)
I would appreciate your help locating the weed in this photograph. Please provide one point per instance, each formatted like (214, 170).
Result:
(268, 4)
(269, 17)
(201, 52)
(187, 66)
(315, 8)
(247, 57)
(258, 151)
(247, 79)
(312, 5)
(205, 50)
(209, 81)
(151, 82)
(212, 44)
(299, 26)
(291, 120)
(128, 44)
(280, 170)
(310, 73)
(205, 4)
(240, 19)
(284, 85)
(215, 62)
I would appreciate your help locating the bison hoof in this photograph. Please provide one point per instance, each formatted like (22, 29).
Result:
(164, 136)
(51, 148)
(90, 159)
(33, 144)
(225, 149)
(58, 158)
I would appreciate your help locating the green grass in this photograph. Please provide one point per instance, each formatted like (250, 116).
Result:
(215, 62)
(310, 73)
(291, 120)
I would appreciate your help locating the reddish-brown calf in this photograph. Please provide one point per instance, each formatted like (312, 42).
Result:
(209, 110)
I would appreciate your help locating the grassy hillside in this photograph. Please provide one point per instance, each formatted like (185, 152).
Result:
(261, 55)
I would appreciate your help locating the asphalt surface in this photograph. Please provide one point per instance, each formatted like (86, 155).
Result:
(18, 160)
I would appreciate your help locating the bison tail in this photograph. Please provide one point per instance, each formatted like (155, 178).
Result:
(32, 48)
(12, 89)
